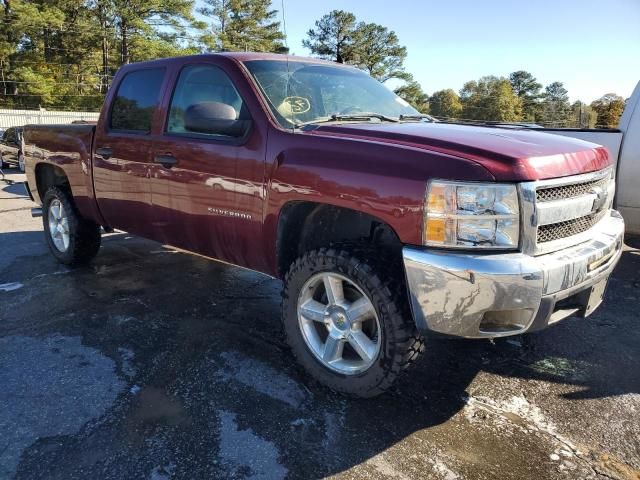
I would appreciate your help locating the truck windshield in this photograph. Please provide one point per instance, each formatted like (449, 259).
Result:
(300, 93)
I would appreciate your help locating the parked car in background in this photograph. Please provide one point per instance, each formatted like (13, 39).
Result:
(384, 227)
(12, 149)
(623, 144)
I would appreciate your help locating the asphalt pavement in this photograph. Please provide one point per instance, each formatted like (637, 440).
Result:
(154, 364)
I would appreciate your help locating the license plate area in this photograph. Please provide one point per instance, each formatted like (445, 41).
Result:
(596, 295)
(584, 302)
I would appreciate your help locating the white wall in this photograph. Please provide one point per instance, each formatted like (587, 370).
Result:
(16, 118)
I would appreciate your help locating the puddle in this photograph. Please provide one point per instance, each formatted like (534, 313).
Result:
(126, 358)
(9, 287)
(261, 377)
(163, 472)
(51, 386)
(246, 455)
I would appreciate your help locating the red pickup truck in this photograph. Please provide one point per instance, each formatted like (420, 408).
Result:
(383, 224)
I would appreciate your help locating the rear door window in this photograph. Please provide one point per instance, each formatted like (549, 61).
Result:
(136, 101)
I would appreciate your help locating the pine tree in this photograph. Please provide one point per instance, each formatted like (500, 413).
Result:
(378, 51)
(554, 109)
(368, 46)
(332, 37)
(245, 25)
(527, 89)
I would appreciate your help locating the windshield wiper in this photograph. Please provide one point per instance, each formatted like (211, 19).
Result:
(349, 117)
(362, 116)
(420, 116)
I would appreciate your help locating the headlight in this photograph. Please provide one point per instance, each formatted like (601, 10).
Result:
(472, 215)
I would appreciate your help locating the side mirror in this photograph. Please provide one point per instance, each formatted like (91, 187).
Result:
(214, 118)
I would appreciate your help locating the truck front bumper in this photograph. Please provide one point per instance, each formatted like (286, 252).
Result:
(493, 295)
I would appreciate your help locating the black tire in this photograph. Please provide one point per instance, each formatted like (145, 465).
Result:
(84, 235)
(384, 286)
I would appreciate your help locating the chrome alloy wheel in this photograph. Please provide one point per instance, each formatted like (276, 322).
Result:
(58, 225)
(339, 323)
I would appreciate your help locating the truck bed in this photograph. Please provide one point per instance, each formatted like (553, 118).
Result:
(67, 147)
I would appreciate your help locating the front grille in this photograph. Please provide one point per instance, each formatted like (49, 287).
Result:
(555, 231)
(564, 192)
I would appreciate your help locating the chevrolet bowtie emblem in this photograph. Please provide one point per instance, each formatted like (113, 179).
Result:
(601, 198)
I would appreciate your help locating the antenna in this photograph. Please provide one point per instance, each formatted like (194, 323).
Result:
(286, 44)
(284, 26)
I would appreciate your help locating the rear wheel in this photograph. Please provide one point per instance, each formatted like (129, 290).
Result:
(347, 327)
(71, 239)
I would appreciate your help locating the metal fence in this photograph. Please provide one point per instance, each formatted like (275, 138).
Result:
(16, 118)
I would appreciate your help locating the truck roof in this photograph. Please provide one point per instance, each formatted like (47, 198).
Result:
(240, 57)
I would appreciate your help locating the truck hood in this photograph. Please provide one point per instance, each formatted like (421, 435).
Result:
(510, 154)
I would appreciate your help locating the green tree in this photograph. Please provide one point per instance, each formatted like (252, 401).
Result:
(244, 25)
(63, 54)
(608, 109)
(135, 18)
(378, 51)
(412, 93)
(332, 37)
(490, 98)
(45, 49)
(583, 115)
(368, 46)
(554, 109)
(445, 104)
(527, 88)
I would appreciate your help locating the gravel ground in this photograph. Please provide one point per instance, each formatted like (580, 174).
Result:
(152, 363)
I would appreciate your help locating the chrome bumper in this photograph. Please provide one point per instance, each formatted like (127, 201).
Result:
(493, 295)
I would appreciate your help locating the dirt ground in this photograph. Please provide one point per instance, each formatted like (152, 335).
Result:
(152, 363)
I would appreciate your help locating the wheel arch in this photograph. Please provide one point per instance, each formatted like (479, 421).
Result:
(304, 226)
(47, 176)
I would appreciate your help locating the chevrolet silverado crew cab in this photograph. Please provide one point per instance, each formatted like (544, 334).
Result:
(383, 225)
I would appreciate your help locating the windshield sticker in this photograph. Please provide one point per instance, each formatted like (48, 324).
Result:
(297, 105)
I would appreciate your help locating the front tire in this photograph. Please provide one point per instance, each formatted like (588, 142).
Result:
(349, 328)
(71, 239)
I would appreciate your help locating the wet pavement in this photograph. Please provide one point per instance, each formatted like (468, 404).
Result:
(152, 363)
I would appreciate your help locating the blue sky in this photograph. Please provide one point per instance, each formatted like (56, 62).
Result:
(591, 46)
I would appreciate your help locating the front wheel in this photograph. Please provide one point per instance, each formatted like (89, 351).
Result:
(71, 239)
(349, 328)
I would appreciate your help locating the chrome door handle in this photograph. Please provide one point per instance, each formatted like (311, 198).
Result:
(104, 152)
(166, 161)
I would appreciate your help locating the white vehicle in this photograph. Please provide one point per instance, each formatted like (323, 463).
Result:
(623, 143)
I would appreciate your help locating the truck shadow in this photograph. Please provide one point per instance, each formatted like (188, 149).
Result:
(15, 189)
(204, 339)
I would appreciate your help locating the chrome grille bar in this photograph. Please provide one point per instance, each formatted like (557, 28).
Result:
(564, 192)
(560, 212)
(568, 228)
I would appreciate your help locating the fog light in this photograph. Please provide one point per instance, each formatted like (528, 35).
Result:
(504, 321)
